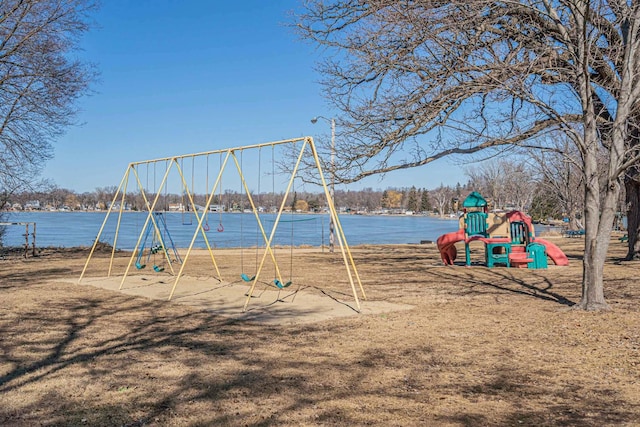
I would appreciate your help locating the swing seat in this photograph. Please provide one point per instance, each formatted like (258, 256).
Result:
(280, 285)
(247, 278)
(140, 266)
(158, 269)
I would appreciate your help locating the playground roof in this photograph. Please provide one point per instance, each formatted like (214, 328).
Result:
(474, 200)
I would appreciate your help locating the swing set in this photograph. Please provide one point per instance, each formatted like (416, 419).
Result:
(154, 238)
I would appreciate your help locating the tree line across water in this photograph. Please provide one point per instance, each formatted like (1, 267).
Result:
(545, 190)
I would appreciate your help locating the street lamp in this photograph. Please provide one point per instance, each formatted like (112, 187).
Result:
(333, 176)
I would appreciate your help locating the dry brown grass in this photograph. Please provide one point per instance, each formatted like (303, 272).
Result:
(480, 347)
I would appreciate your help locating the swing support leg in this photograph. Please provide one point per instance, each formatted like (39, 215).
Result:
(199, 229)
(146, 223)
(122, 187)
(268, 249)
(349, 263)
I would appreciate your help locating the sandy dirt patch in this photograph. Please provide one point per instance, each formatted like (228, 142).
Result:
(293, 305)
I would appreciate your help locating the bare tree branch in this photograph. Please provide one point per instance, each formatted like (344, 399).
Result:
(39, 80)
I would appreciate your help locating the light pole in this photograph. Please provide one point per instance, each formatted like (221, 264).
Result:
(333, 176)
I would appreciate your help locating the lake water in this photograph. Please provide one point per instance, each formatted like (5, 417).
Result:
(71, 229)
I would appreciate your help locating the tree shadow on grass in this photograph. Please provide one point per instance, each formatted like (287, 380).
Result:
(542, 291)
(157, 363)
(412, 274)
(11, 278)
(573, 403)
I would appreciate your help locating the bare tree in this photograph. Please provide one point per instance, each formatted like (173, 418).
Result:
(442, 198)
(488, 179)
(39, 81)
(508, 183)
(417, 81)
(562, 179)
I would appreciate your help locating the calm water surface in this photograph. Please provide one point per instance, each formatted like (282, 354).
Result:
(70, 229)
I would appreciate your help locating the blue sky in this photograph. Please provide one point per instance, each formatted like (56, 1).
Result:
(185, 77)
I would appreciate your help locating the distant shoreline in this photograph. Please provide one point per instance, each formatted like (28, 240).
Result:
(45, 211)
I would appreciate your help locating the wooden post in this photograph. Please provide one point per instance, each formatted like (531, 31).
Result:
(33, 241)
(26, 239)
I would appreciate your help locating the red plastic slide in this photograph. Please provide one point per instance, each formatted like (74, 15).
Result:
(555, 253)
(446, 246)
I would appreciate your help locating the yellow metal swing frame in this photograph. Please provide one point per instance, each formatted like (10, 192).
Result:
(308, 145)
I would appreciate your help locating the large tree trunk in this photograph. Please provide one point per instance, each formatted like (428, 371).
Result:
(600, 200)
(595, 247)
(600, 207)
(599, 217)
(632, 187)
(596, 209)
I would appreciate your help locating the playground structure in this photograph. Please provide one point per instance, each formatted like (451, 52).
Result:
(155, 227)
(508, 238)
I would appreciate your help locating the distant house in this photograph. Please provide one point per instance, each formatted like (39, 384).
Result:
(32, 205)
(116, 206)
